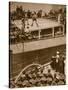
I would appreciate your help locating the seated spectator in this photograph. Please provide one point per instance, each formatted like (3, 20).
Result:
(49, 74)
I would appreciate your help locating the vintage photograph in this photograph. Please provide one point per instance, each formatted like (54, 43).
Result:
(37, 44)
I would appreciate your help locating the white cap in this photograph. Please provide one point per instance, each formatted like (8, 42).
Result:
(53, 56)
(57, 52)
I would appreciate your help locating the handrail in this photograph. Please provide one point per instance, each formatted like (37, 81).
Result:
(25, 69)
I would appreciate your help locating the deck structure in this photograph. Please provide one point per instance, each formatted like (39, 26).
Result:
(48, 33)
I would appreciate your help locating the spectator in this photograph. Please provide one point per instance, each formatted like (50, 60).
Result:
(61, 65)
(34, 18)
(29, 14)
(26, 18)
(53, 64)
(49, 74)
(60, 18)
(57, 60)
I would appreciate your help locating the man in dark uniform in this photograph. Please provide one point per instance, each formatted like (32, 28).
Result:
(57, 61)
(53, 64)
(61, 65)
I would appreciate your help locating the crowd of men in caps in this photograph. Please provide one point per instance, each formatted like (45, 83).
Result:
(52, 74)
(24, 16)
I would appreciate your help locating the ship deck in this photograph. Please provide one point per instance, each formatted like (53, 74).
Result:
(36, 45)
(42, 24)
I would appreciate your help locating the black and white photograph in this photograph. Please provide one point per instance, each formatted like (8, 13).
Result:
(37, 44)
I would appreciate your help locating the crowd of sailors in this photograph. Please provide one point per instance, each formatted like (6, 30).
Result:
(45, 75)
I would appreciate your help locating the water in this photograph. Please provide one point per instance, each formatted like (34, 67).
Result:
(19, 61)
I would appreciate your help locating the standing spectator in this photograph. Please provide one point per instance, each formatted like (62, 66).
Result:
(43, 14)
(23, 24)
(26, 18)
(29, 14)
(34, 18)
(61, 65)
(39, 13)
(57, 60)
(60, 19)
